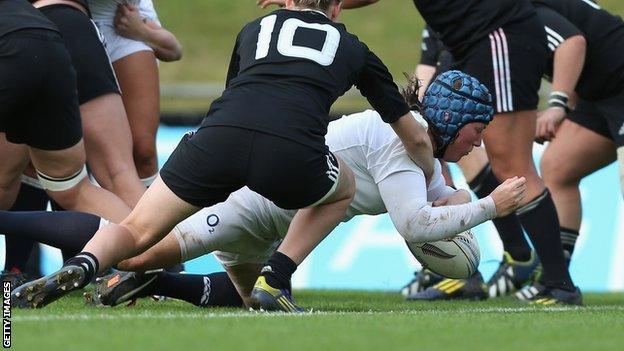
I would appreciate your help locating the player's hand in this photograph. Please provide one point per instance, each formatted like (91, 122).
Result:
(548, 121)
(508, 196)
(265, 3)
(461, 196)
(128, 22)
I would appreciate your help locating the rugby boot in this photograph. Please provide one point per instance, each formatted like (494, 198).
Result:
(120, 287)
(421, 281)
(472, 288)
(512, 275)
(38, 293)
(267, 298)
(556, 296)
(15, 278)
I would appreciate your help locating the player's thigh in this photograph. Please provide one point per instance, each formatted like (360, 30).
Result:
(108, 141)
(13, 160)
(59, 163)
(244, 277)
(508, 141)
(138, 78)
(574, 153)
(156, 214)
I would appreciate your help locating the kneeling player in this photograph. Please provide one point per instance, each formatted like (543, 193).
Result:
(245, 230)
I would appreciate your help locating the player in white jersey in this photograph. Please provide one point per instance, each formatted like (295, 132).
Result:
(244, 230)
(134, 39)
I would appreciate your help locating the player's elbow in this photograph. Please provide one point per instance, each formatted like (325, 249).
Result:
(416, 227)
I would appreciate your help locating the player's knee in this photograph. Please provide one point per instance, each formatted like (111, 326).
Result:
(556, 175)
(64, 190)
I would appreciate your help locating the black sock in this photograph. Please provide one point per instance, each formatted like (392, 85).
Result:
(89, 264)
(211, 290)
(69, 231)
(278, 271)
(509, 227)
(539, 218)
(18, 249)
(568, 241)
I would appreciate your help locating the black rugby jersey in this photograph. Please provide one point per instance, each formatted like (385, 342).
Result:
(289, 67)
(19, 14)
(603, 71)
(433, 52)
(462, 23)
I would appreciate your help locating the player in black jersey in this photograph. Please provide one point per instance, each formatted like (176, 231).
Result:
(519, 261)
(39, 117)
(265, 132)
(502, 43)
(586, 67)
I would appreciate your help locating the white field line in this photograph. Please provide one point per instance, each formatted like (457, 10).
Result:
(245, 314)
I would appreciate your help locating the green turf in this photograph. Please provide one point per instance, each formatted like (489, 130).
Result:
(341, 320)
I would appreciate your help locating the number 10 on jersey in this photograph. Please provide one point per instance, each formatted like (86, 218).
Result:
(285, 46)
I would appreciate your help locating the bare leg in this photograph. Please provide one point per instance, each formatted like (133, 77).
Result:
(84, 196)
(575, 153)
(14, 159)
(165, 253)
(108, 143)
(243, 276)
(138, 79)
(158, 211)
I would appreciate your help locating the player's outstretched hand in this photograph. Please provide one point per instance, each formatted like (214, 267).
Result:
(265, 3)
(508, 196)
(548, 122)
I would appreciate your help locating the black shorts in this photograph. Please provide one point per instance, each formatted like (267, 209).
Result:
(605, 117)
(510, 62)
(210, 164)
(38, 97)
(85, 45)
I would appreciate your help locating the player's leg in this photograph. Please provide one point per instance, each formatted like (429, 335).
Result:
(517, 54)
(575, 153)
(14, 161)
(138, 78)
(307, 229)
(108, 144)
(106, 132)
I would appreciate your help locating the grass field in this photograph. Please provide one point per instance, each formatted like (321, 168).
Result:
(341, 320)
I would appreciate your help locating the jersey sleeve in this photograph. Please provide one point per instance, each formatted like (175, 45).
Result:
(430, 48)
(376, 85)
(234, 62)
(147, 10)
(557, 27)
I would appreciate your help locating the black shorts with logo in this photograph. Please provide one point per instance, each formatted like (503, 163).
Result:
(85, 45)
(605, 117)
(510, 62)
(38, 97)
(210, 164)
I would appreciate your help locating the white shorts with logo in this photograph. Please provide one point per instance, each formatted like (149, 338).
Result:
(244, 229)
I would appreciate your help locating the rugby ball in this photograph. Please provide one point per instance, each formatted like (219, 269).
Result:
(457, 257)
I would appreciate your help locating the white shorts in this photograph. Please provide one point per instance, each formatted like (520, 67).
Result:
(244, 229)
(117, 46)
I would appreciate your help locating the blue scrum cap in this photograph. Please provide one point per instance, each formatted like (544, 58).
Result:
(453, 100)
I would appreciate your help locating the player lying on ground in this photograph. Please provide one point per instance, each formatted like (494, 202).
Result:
(266, 132)
(245, 230)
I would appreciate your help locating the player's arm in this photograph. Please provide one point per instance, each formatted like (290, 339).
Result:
(569, 48)
(128, 23)
(405, 196)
